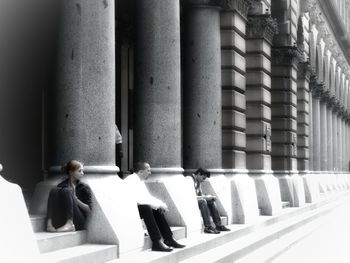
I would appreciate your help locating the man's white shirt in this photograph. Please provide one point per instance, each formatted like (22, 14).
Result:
(141, 193)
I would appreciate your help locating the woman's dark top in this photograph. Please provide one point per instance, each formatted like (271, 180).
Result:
(82, 191)
(61, 204)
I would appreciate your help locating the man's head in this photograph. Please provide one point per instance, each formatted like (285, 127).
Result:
(202, 174)
(142, 169)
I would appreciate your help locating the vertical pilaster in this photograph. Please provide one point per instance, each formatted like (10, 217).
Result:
(233, 21)
(157, 124)
(284, 123)
(303, 131)
(260, 31)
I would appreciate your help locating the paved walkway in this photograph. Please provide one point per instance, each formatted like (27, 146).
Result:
(330, 243)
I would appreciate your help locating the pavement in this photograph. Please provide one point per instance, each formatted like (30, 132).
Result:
(329, 243)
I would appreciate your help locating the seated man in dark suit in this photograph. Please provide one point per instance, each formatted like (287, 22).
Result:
(207, 204)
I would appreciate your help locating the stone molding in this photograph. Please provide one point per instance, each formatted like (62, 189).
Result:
(241, 6)
(304, 70)
(262, 26)
(289, 56)
(89, 169)
(318, 18)
(204, 3)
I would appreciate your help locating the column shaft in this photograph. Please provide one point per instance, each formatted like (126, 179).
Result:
(202, 88)
(316, 133)
(157, 127)
(83, 105)
(330, 153)
(323, 135)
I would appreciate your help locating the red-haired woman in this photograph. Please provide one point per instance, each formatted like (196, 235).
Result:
(69, 202)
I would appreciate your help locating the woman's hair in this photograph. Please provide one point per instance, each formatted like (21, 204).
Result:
(72, 165)
(202, 171)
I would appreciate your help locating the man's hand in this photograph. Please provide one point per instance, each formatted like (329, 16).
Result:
(210, 197)
(163, 209)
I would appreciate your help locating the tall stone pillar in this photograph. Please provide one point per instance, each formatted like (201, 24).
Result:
(284, 123)
(233, 21)
(260, 31)
(335, 139)
(157, 125)
(323, 134)
(330, 153)
(82, 123)
(303, 131)
(316, 119)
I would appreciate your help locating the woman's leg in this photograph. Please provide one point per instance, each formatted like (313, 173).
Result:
(67, 200)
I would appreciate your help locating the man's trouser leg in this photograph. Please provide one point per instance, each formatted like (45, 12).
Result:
(214, 212)
(162, 224)
(203, 206)
(146, 213)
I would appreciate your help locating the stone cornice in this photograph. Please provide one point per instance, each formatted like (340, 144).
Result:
(204, 3)
(262, 26)
(240, 6)
(332, 32)
(304, 70)
(289, 56)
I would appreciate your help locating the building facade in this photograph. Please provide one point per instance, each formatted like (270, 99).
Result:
(255, 91)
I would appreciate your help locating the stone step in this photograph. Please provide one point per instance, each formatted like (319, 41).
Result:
(198, 245)
(38, 222)
(54, 241)
(275, 248)
(87, 253)
(236, 250)
(285, 204)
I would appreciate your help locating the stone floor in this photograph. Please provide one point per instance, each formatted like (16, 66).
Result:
(329, 243)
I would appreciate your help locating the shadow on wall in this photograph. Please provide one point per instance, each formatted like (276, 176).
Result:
(27, 31)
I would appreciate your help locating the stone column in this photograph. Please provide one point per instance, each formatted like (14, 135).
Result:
(323, 134)
(82, 123)
(233, 20)
(157, 125)
(284, 123)
(303, 131)
(335, 139)
(260, 32)
(316, 96)
(330, 153)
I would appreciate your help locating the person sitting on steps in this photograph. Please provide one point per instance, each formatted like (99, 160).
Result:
(151, 210)
(207, 204)
(69, 202)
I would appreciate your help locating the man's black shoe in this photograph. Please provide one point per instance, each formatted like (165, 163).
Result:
(173, 243)
(160, 246)
(211, 230)
(222, 228)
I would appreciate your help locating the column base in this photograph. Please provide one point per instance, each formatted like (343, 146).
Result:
(268, 192)
(311, 188)
(244, 202)
(114, 219)
(17, 239)
(321, 181)
(177, 191)
(292, 187)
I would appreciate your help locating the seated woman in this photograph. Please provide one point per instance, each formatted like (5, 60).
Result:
(69, 202)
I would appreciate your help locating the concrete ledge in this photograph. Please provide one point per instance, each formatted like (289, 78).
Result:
(17, 239)
(268, 192)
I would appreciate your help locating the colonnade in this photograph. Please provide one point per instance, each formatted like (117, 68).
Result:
(251, 104)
